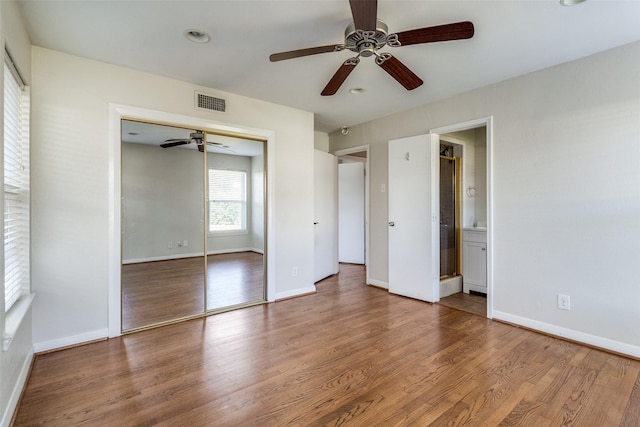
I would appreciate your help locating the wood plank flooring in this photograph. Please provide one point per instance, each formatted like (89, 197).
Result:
(349, 355)
(471, 303)
(160, 291)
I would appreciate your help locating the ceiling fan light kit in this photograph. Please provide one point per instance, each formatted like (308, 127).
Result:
(367, 34)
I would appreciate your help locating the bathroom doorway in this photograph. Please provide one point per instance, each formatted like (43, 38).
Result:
(463, 219)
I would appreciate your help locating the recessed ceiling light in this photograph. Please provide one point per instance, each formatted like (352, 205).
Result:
(571, 2)
(356, 90)
(197, 36)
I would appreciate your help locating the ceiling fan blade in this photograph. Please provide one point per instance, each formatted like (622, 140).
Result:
(174, 143)
(439, 33)
(305, 52)
(340, 76)
(399, 71)
(365, 14)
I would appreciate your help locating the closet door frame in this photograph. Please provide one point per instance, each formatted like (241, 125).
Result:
(118, 112)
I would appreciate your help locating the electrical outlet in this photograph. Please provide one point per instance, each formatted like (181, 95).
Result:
(185, 243)
(170, 244)
(294, 271)
(564, 302)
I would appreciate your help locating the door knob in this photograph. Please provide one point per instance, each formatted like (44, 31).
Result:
(315, 223)
(391, 223)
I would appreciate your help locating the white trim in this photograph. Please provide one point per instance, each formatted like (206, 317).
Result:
(116, 113)
(191, 255)
(487, 122)
(559, 331)
(14, 317)
(295, 292)
(71, 340)
(367, 166)
(161, 258)
(16, 393)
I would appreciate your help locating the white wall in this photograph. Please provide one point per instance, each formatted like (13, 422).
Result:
(321, 141)
(71, 184)
(566, 192)
(466, 140)
(257, 203)
(480, 179)
(162, 202)
(15, 362)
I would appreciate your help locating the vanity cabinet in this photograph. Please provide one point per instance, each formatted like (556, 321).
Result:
(474, 260)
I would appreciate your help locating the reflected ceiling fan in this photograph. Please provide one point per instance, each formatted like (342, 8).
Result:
(194, 138)
(367, 34)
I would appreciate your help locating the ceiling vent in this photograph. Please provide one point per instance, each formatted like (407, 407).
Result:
(210, 103)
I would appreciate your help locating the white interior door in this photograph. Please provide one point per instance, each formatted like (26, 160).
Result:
(351, 212)
(414, 255)
(325, 215)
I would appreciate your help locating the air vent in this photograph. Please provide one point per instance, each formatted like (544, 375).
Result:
(211, 103)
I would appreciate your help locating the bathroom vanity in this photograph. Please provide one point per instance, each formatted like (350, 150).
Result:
(474, 259)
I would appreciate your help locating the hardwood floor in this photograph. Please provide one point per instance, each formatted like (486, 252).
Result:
(160, 291)
(471, 303)
(234, 279)
(348, 355)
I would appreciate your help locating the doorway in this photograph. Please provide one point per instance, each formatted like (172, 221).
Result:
(464, 178)
(353, 206)
(193, 221)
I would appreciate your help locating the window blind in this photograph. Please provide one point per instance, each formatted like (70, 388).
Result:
(16, 188)
(227, 200)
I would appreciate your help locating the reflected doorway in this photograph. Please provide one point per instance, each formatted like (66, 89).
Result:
(193, 223)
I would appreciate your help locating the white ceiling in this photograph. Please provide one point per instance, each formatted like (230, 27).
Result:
(154, 134)
(512, 37)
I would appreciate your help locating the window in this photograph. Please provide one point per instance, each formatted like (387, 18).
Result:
(227, 201)
(16, 187)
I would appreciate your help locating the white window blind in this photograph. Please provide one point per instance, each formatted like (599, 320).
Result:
(227, 200)
(16, 188)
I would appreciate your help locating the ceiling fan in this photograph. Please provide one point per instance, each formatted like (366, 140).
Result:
(367, 34)
(194, 138)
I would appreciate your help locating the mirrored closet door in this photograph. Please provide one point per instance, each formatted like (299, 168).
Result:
(192, 223)
(235, 221)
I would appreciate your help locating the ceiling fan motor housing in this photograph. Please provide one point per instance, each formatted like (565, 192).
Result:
(365, 42)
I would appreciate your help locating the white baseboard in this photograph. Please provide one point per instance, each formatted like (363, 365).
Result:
(450, 286)
(295, 292)
(160, 258)
(233, 251)
(14, 399)
(571, 334)
(378, 283)
(71, 340)
(190, 255)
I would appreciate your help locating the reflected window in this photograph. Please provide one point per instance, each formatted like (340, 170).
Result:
(227, 201)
